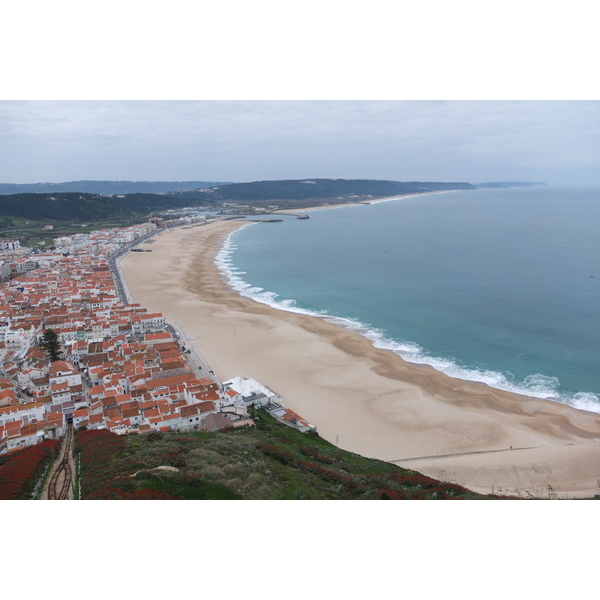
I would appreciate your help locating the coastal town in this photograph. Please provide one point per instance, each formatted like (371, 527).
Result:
(115, 365)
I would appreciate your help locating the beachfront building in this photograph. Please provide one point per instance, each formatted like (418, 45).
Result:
(148, 323)
(289, 417)
(251, 392)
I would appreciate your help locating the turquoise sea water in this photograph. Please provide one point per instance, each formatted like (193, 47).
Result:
(493, 285)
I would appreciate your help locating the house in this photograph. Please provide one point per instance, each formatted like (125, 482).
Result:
(81, 417)
(191, 416)
(97, 422)
(150, 339)
(24, 377)
(8, 397)
(170, 422)
(133, 415)
(19, 435)
(290, 418)
(25, 413)
(53, 426)
(60, 392)
(62, 371)
(216, 421)
(40, 386)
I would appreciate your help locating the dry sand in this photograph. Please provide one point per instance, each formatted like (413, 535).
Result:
(364, 399)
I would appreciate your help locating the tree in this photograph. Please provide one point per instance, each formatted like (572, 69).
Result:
(50, 342)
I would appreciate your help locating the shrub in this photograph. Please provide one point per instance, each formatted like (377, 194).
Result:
(314, 454)
(419, 486)
(193, 479)
(100, 469)
(283, 456)
(19, 474)
(173, 459)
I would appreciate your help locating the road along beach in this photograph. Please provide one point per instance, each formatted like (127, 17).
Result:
(364, 399)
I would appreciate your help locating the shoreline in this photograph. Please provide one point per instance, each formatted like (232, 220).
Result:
(364, 399)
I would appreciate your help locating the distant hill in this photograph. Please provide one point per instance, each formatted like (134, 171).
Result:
(67, 206)
(108, 187)
(84, 207)
(505, 184)
(322, 189)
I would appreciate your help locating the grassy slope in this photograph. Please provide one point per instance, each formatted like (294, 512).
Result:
(269, 461)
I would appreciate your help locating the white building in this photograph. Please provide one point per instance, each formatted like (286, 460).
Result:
(62, 371)
(26, 413)
(252, 393)
(7, 244)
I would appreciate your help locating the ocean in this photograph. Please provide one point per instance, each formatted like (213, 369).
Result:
(500, 286)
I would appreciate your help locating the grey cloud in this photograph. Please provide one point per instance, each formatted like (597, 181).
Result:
(246, 140)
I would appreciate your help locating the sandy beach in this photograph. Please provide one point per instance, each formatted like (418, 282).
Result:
(364, 399)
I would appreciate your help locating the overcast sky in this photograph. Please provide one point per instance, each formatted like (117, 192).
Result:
(252, 91)
(552, 141)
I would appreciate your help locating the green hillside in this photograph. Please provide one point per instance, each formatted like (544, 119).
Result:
(268, 462)
(302, 192)
(66, 206)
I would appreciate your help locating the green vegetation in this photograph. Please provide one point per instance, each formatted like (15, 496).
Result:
(188, 487)
(84, 208)
(51, 345)
(269, 461)
(22, 469)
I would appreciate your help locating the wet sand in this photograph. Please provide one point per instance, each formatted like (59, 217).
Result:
(364, 399)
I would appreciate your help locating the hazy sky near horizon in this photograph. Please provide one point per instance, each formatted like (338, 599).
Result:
(557, 142)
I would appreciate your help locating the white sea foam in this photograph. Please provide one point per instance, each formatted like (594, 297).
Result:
(585, 401)
(536, 385)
